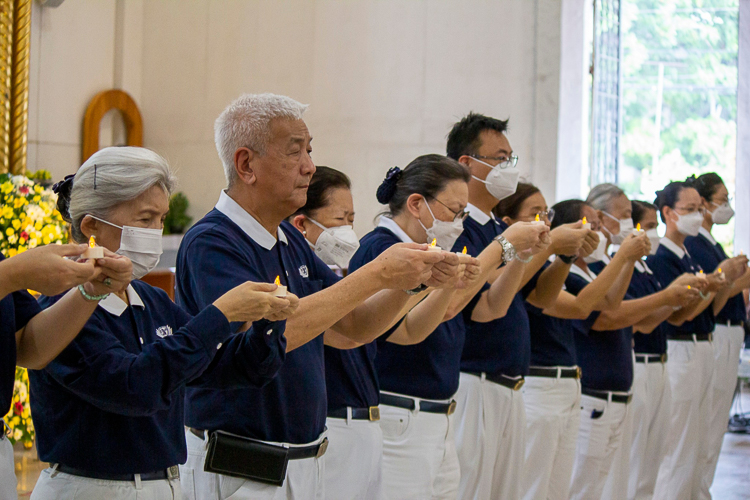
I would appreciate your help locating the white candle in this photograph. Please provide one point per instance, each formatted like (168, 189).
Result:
(281, 290)
(433, 247)
(93, 251)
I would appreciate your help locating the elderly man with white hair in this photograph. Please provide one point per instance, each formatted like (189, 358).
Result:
(269, 443)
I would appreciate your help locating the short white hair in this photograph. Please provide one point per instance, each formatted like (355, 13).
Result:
(112, 176)
(246, 124)
(603, 195)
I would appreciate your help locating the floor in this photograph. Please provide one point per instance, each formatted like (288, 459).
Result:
(732, 481)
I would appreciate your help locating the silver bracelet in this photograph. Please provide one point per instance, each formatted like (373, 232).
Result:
(525, 261)
(91, 298)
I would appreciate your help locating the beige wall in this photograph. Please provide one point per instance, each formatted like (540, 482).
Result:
(385, 80)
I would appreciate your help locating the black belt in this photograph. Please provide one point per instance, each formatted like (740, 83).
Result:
(170, 473)
(372, 413)
(732, 323)
(700, 337)
(545, 371)
(605, 395)
(295, 452)
(514, 383)
(411, 404)
(643, 358)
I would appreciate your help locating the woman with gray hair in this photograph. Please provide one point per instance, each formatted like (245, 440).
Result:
(109, 409)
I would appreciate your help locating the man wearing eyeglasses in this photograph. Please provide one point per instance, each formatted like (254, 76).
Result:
(490, 417)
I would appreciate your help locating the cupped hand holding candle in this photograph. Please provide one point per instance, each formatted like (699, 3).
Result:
(434, 247)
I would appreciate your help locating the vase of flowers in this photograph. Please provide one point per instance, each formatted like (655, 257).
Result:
(28, 218)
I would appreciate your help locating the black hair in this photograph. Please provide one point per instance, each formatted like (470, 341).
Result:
(640, 208)
(63, 189)
(567, 211)
(324, 180)
(668, 196)
(706, 184)
(426, 175)
(463, 138)
(510, 206)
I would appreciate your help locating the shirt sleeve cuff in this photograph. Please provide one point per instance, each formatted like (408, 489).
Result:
(211, 327)
(267, 343)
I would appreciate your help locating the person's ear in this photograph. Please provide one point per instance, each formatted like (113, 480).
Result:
(245, 160)
(414, 204)
(299, 222)
(508, 220)
(89, 225)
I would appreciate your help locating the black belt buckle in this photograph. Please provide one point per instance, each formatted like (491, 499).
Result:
(322, 448)
(451, 408)
(374, 413)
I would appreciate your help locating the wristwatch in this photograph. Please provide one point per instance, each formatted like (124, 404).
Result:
(568, 259)
(414, 291)
(509, 251)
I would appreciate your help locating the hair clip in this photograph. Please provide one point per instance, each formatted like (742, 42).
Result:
(95, 176)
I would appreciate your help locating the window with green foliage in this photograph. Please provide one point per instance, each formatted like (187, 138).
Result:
(679, 94)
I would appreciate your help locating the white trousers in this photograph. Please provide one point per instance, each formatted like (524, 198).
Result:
(304, 479)
(691, 369)
(7, 469)
(727, 344)
(419, 455)
(552, 418)
(651, 407)
(354, 460)
(602, 427)
(53, 485)
(490, 438)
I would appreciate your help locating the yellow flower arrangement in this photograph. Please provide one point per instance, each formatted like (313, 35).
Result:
(28, 218)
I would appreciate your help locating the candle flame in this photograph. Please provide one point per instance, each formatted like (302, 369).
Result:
(719, 270)
(689, 287)
(701, 271)
(277, 282)
(638, 227)
(536, 218)
(434, 242)
(92, 241)
(584, 220)
(463, 251)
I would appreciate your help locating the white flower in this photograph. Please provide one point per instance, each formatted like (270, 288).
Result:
(17, 434)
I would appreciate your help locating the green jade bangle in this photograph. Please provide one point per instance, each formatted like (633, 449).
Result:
(91, 298)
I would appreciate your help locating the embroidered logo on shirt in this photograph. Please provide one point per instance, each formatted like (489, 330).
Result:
(303, 271)
(164, 331)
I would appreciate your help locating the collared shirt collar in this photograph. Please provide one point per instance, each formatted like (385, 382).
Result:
(642, 267)
(479, 216)
(247, 222)
(702, 231)
(580, 272)
(672, 247)
(115, 306)
(391, 225)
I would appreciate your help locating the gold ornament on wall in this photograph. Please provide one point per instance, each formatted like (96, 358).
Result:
(15, 30)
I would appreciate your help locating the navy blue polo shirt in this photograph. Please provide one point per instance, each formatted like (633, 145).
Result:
(669, 263)
(605, 357)
(552, 341)
(708, 253)
(500, 346)
(642, 284)
(351, 374)
(216, 255)
(113, 400)
(16, 310)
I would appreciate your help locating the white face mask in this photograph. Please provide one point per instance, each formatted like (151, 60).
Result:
(446, 233)
(689, 224)
(500, 182)
(335, 245)
(141, 245)
(626, 227)
(654, 238)
(600, 252)
(722, 213)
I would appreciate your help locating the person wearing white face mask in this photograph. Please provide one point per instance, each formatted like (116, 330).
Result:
(691, 356)
(327, 219)
(729, 333)
(123, 377)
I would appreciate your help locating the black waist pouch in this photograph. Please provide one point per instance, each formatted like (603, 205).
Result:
(246, 458)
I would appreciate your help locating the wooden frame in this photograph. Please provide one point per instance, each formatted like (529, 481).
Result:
(98, 107)
(15, 31)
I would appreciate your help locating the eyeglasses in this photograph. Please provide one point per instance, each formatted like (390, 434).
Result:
(548, 214)
(502, 161)
(728, 201)
(456, 215)
(700, 210)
